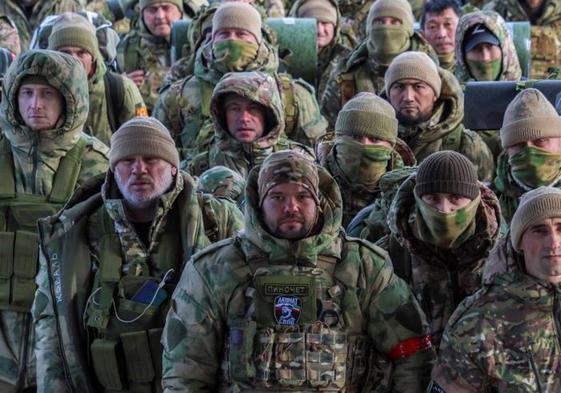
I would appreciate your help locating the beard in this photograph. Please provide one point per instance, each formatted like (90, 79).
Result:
(141, 200)
(412, 120)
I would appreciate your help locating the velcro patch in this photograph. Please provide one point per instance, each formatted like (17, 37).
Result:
(287, 310)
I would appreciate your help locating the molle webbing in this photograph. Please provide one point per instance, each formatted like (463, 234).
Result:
(289, 104)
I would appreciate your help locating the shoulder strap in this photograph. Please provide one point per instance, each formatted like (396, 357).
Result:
(130, 53)
(347, 86)
(114, 98)
(67, 173)
(289, 103)
(7, 185)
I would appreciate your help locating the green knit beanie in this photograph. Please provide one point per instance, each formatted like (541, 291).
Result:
(322, 10)
(399, 9)
(413, 65)
(366, 114)
(237, 15)
(529, 116)
(74, 30)
(535, 206)
(146, 3)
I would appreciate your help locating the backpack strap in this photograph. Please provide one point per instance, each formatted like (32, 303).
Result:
(289, 103)
(114, 98)
(67, 173)
(7, 185)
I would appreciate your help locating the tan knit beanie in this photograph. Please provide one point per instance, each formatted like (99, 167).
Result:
(369, 115)
(146, 3)
(74, 30)
(535, 206)
(529, 116)
(237, 15)
(400, 9)
(413, 65)
(322, 10)
(142, 136)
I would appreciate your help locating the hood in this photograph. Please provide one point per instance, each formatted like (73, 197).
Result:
(66, 75)
(327, 240)
(495, 23)
(551, 12)
(255, 86)
(401, 218)
(145, 34)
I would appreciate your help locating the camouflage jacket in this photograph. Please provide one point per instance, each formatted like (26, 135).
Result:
(35, 161)
(358, 72)
(440, 278)
(88, 250)
(185, 105)
(510, 68)
(27, 21)
(504, 338)
(9, 37)
(211, 299)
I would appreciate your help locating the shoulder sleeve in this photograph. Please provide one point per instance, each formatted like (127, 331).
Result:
(474, 148)
(133, 103)
(310, 121)
(331, 98)
(95, 160)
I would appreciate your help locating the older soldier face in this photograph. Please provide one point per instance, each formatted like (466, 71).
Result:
(325, 34)
(440, 30)
(40, 106)
(541, 246)
(412, 100)
(552, 145)
(289, 211)
(85, 57)
(446, 203)
(245, 119)
(142, 180)
(159, 17)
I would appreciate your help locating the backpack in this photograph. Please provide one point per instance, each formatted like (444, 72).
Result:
(114, 98)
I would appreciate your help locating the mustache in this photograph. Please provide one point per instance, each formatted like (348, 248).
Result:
(291, 217)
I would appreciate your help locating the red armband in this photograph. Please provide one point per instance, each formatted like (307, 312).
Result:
(410, 347)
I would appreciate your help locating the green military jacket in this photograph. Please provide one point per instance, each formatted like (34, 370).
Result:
(9, 37)
(504, 338)
(213, 313)
(40, 170)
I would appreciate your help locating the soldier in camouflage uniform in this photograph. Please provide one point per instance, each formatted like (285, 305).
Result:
(248, 124)
(237, 44)
(389, 33)
(9, 37)
(505, 338)
(429, 105)
(44, 156)
(291, 303)
(221, 181)
(545, 17)
(144, 54)
(123, 240)
(75, 35)
(531, 141)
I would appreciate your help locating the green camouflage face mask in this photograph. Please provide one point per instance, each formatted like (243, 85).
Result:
(446, 230)
(386, 42)
(484, 70)
(233, 55)
(534, 167)
(360, 163)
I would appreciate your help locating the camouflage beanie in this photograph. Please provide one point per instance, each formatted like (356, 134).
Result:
(447, 172)
(142, 136)
(147, 3)
(237, 16)
(529, 116)
(413, 65)
(322, 10)
(287, 167)
(535, 206)
(369, 115)
(221, 181)
(74, 30)
(399, 9)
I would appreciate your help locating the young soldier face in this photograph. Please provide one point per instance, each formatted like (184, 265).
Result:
(289, 211)
(40, 106)
(234, 34)
(440, 30)
(446, 203)
(412, 100)
(245, 119)
(159, 18)
(370, 140)
(83, 56)
(541, 246)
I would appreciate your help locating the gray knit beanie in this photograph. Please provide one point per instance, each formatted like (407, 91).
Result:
(237, 15)
(413, 65)
(146, 3)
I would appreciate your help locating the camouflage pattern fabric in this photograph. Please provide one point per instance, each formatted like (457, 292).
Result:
(201, 349)
(222, 218)
(101, 7)
(9, 37)
(504, 338)
(221, 181)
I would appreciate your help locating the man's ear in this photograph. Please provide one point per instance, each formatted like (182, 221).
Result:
(174, 170)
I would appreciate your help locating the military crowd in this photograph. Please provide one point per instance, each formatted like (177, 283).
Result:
(180, 211)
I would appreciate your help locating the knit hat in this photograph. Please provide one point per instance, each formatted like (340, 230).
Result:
(287, 167)
(399, 9)
(447, 172)
(369, 115)
(142, 136)
(322, 10)
(414, 65)
(529, 116)
(146, 3)
(237, 15)
(536, 205)
(74, 30)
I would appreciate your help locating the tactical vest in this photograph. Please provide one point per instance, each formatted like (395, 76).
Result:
(546, 50)
(299, 328)
(19, 241)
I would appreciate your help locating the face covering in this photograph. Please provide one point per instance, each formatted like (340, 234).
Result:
(484, 70)
(234, 55)
(360, 163)
(534, 167)
(446, 230)
(386, 42)
(446, 61)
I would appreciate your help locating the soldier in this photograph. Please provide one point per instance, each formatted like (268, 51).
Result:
(429, 105)
(236, 45)
(144, 54)
(248, 124)
(246, 315)
(221, 181)
(439, 23)
(125, 246)
(390, 32)
(363, 150)
(44, 157)
(9, 37)
(531, 141)
(505, 338)
(114, 99)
